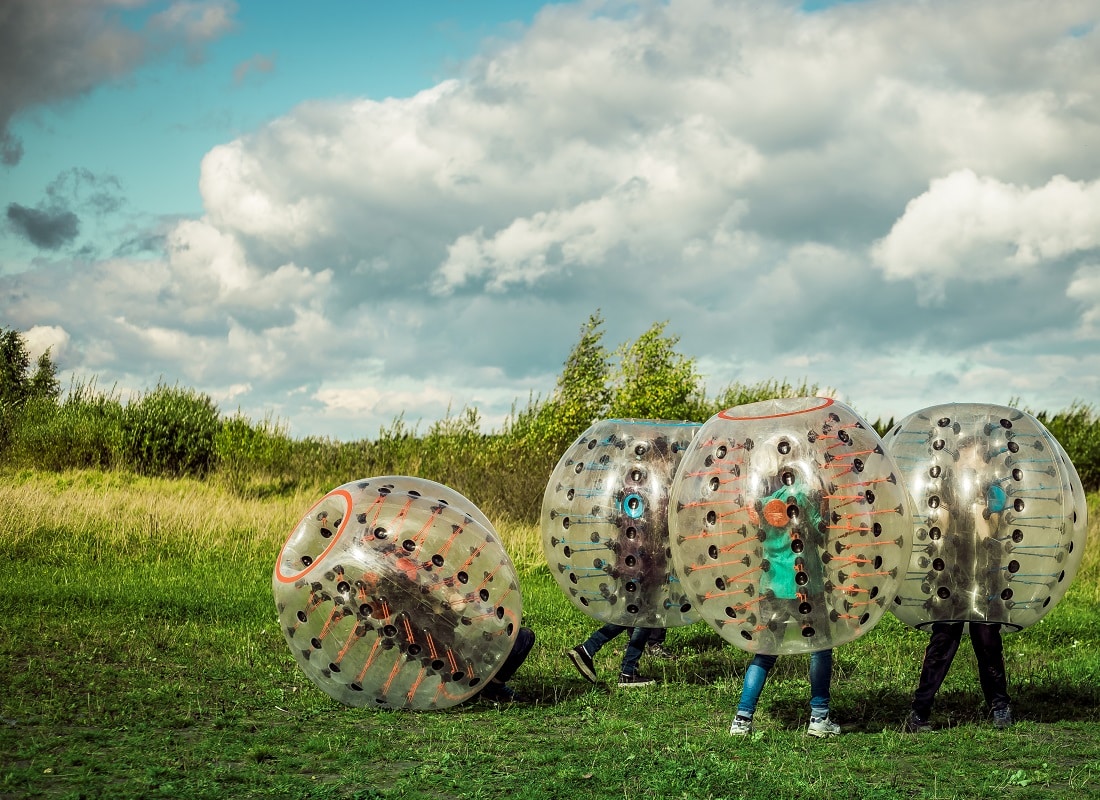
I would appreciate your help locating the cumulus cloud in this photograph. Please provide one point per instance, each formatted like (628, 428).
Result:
(64, 48)
(897, 201)
(972, 228)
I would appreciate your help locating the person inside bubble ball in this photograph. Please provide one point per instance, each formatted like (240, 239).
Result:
(791, 584)
(985, 637)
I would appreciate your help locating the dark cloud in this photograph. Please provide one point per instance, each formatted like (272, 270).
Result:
(57, 50)
(49, 230)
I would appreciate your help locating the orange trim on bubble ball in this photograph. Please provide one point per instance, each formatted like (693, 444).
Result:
(336, 537)
(826, 402)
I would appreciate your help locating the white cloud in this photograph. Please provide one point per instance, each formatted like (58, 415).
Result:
(896, 200)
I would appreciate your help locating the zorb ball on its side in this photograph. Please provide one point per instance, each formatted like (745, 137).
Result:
(1000, 518)
(604, 522)
(789, 525)
(396, 592)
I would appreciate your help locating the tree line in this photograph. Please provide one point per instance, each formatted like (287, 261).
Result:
(177, 431)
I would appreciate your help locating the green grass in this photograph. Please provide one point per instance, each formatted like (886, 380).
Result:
(140, 657)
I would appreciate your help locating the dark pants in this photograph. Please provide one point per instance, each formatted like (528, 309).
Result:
(525, 640)
(986, 639)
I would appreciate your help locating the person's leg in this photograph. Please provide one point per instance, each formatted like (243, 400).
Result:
(821, 678)
(755, 676)
(937, 659)
(986, 640)
(602, 636)
(634, 648)
(525, 640)
(655, 644)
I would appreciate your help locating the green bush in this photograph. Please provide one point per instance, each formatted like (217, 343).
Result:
(171, 431)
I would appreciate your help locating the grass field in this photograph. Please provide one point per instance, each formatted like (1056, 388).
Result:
(140, 657)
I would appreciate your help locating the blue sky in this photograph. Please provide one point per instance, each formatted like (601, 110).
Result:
(337, 212)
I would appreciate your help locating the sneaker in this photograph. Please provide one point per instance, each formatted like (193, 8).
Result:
(631, 679)
(822, 727)
(496, 692)
(914, 724)
(1002, 717)
(741, 726)
(658, 650)
(583, 662)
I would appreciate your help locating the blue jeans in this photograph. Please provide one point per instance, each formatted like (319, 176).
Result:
(634, 647)
(821, 676)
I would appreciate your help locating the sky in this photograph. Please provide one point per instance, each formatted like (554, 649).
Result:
(336, 213)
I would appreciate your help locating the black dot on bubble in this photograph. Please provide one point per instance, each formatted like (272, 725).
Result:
(301, 615)
(334, 667)
(943, 593)
(788, 479)
(935, 472)
(1017, 474)
(731, 612)
(805, 608)
(746, 635)
(639, 449)
(343, 587)
(939, 444)
(315, 643)
(591, 444)
(1018, 504)
(462, 577)
(873, 593)
(390, 630)
(933, 502)
(712, 551)
(720, 452)
(1006, 594)
(361, 518)
(1006, 423)
(943, 422)
(567, 551)
(1070, 548)
(631, 561)
(797, 545)
(864, 618)
(808, 631)
(584, 601)
(686, 607)
(712, 518)
(714, 484)
(437, 664)
(579, 468)
(844, 437)
(500, 612)
(857, 465)
(565, 522)
(1061, 576)
(631, 533)
(457, 676)
(801, 578)
(1013, 566)
(409, 545)
(935, 533)
(355, 687)
(483, 594)
(784, 447)
(877, 562)
(307, 560)
(1046, 602)
(632, 609)
(573, 577)
(326, 533)
(792, 511)
(869, 496)
(720, 584)
(1013, 447)
(631, 586)
(939, 565)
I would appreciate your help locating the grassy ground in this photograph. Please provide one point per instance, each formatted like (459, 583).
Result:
(140, 657)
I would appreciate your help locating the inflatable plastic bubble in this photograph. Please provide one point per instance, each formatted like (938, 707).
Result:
(395, 592)
(999, 516)
(605, 522)
(789, 525)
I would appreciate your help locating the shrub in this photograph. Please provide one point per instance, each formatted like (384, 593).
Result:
(171, 431)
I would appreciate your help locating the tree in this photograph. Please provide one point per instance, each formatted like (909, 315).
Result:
(653, 381)
(583, 394)
(17, 383)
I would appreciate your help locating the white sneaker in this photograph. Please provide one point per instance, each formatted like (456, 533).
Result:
(740, 726)
(823, 727)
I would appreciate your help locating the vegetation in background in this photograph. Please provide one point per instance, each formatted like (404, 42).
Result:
(175, 431)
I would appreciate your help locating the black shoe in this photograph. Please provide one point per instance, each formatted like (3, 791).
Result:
(497, 692)
(583, 662)
(1002, 717)
(914, 724)
(631, 679)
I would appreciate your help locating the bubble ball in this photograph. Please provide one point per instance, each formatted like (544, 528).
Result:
(396, 592)
(789, 525)
(604, 522)
(1000, 518)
